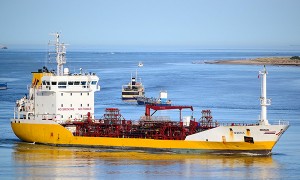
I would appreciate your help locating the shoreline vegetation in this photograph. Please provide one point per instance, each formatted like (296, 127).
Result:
(282, 61)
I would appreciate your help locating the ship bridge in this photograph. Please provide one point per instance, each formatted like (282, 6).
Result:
(75, 82)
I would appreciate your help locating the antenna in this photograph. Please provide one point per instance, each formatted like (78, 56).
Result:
(60, 51)
(264, 102)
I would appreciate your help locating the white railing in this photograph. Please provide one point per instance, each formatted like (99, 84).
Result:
(282, 122)
(156, 118)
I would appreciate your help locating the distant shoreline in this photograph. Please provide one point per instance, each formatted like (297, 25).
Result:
(283, 61)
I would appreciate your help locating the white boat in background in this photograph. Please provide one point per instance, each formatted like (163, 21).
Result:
(140, 64)
(133, 89)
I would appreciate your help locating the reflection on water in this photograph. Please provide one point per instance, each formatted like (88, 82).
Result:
(69, 162)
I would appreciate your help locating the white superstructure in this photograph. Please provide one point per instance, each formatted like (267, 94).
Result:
(60, 96)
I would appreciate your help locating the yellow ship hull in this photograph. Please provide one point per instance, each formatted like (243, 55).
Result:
(56, 134)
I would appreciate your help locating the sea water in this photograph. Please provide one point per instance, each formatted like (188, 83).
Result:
(231, 92)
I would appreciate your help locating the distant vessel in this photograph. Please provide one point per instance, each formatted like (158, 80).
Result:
(59, 110)
(3, 86)
(133, 89)
(140, 64)
(3, 47)
(161, 101)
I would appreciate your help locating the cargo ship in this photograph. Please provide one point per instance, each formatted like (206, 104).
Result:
(59, 110)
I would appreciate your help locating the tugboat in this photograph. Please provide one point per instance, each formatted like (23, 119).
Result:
(59, 110)
(133, 89)
(161, 101)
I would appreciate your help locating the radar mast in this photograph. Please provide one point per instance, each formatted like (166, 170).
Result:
(60, 52)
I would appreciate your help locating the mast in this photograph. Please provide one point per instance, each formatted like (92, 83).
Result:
(264, 102)
(60, 51)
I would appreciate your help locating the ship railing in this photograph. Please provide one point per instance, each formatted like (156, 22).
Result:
(80, 87)
(237, 124)
(49, 117)
(155, 118)
(282, 122)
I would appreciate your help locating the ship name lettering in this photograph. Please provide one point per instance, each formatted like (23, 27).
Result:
(66, 109)
(239, 132)
(264, 130)
(84, 108)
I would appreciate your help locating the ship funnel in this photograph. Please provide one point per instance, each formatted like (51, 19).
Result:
(264, 102)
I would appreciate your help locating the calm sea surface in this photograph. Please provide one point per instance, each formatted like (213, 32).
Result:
(230, 91)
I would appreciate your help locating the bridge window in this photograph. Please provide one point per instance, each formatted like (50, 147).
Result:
(94, 82)
(53, 82)
(130, 93)
(70, 82)
(62, 84)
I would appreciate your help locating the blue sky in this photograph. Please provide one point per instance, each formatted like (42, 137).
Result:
(153, 23)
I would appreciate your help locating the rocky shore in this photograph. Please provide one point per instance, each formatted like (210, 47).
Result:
(285, 61)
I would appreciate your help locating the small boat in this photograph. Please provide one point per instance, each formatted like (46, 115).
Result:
(161, 101)
(133, 89)
(140, 64)
(3, 86)
(3, 47)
